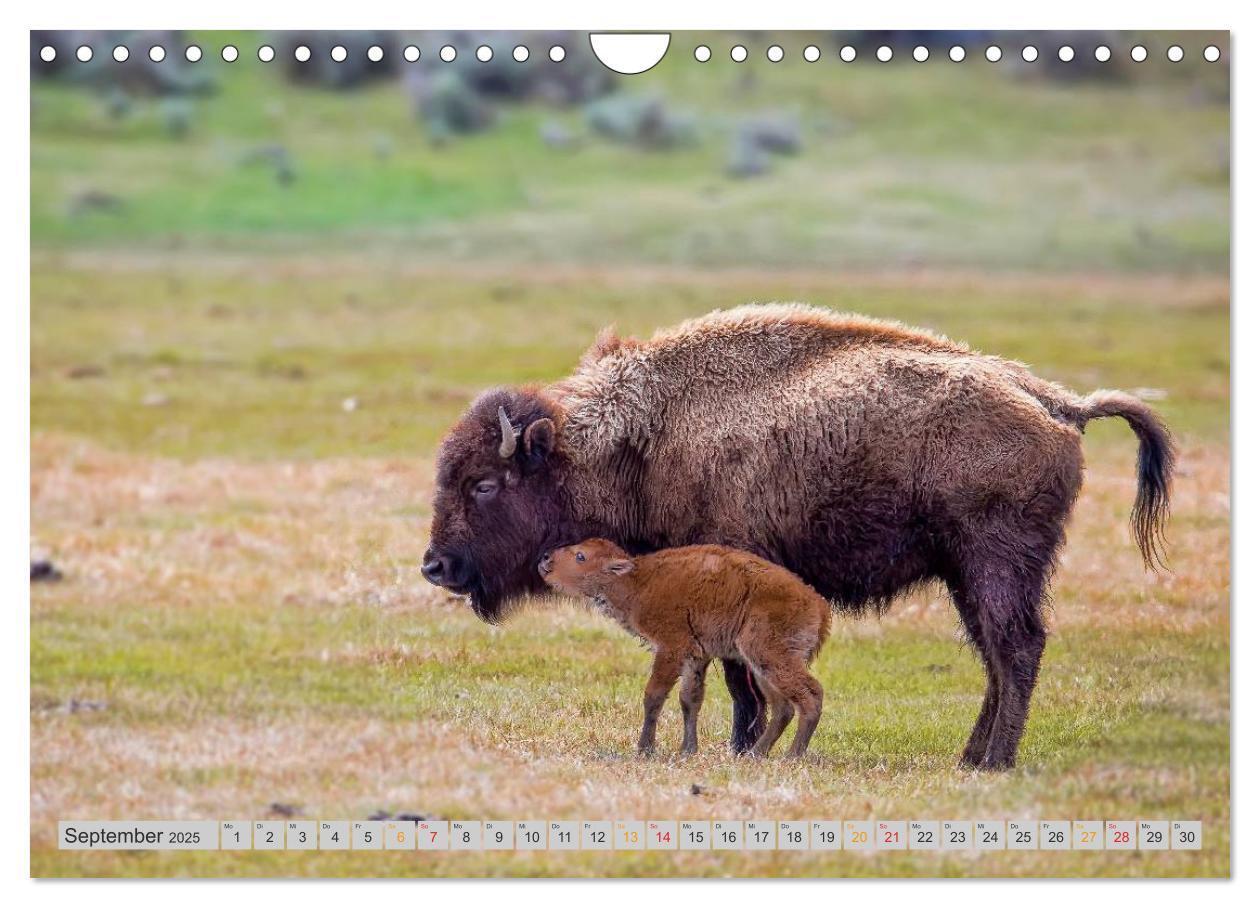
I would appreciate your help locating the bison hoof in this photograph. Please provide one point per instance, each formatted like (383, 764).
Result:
(991, 764)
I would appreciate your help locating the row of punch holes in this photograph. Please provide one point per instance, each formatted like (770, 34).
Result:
(703, 54)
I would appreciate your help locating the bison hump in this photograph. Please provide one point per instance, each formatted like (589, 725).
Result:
(606, 344)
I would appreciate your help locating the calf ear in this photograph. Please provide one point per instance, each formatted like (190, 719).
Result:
(619, 566)
(540, 441)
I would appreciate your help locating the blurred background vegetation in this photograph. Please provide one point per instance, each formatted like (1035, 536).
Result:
(1044, 165)
(304, 258)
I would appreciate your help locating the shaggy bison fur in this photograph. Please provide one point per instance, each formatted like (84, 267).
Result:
(862, 455)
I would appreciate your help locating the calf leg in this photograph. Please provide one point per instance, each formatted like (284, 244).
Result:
(691, 698)
(807, 696)
(780, 716)
(748, 716)
(788, 675)
(665, 670)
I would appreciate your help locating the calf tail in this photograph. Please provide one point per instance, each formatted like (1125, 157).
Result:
(1156, 456)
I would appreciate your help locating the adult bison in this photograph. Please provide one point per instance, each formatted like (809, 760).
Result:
(863, 455)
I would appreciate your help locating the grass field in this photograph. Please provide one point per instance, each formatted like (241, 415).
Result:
(236, 395)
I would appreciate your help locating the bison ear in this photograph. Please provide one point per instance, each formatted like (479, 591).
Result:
(619, 566)
(540, 441)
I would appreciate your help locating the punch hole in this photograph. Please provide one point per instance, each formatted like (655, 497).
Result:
(1175, 54)
(920, 54)
(266, 53)
(1211, 53)
(774, 53)
(485, 54)
(556, 53)
(192, 53)
(1029, 53)
(520, 53)
(229, 53)
(739, 53)
(703, 54)
(447, 53)
(848, 54)
(812, 54)
(1102, 53)
(48, 53)
(83, 54)
(1138, 53)
(339, 54)
(411, 53)
(157, 53)
(993, 53)
(884, 53)
(1066, 54)
(121, 54)
(958, 53)
(375, 53)
(301, 53)
(628, 53)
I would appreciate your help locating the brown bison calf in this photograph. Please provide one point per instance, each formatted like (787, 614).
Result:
(699, 603)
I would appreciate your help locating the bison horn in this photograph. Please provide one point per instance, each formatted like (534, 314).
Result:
(507, 447)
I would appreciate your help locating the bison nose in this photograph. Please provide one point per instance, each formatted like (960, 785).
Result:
(436, 568)
(544, 566)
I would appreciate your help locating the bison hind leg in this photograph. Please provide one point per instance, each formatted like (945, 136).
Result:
(1000, 589)
(978, 743)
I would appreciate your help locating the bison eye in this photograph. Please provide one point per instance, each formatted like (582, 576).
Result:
(485, 489)
(579, 557)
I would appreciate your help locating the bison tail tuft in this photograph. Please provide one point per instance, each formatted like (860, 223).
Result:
(1156, 456)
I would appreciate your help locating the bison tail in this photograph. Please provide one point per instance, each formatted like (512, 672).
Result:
(1156, 455)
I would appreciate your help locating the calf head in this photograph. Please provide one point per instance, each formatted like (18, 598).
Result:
(585, 569)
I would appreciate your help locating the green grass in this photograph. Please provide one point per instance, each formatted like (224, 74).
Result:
(269, 665)
(1146, 740)
(256, 360)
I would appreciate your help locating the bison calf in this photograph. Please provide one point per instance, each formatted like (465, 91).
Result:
(704, 602)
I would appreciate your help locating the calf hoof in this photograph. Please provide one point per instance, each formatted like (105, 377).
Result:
(646, 751)
(687, 750)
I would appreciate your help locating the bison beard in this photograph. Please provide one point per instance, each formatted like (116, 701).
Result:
(864, 456)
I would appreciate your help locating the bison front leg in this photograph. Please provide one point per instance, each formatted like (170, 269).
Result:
(747, 704)
(666, 668)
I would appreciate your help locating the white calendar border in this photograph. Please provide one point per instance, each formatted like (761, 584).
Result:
(1073, 14)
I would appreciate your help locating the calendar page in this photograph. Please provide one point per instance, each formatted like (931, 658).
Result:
(523, 453)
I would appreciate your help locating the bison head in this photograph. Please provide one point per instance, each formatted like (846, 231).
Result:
(498, 505)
